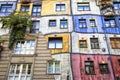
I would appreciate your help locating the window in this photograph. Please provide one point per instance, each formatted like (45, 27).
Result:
(83, 43)
(6, 8)
(82, 23)
(20, 72)
(24, 47)
(89, 67)
(83, 7)
(63, 23)
(52, 23)
(60, 7)
(36, 10)
(110, 23)
(115, 43)
(54, 67)
(55, 43)
(24, 8)
(119, 61)
(117, 77)
(116, 5)
(94, 43)
(35, 27)
(104, 68)
(92, 23)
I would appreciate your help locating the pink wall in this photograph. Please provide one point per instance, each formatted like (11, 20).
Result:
(79, 67)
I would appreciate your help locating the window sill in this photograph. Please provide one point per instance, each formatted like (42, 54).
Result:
(54, 73)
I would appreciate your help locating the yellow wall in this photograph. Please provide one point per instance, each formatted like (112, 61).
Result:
(48, 7)
(66, 43)
(30, 7)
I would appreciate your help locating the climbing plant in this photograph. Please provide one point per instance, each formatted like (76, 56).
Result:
(17, 23)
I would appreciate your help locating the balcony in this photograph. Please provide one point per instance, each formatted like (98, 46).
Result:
(24, 1)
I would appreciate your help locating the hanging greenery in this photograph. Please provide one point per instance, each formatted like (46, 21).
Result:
(17, 24)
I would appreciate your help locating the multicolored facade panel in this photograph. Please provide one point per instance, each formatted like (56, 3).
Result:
(89, 67)
(89, 43)
(7, 7)
(53, 24)
(55, 7)
(58, 43)
(85, 7)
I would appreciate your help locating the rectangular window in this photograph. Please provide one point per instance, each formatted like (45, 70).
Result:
(94, 43)
(53, 67)
(119, 62)
(83, 43)
(104, 68)
(116, 5)
(110, 23)
(92, 23)
(55, 43)
(20, 72)
(115, 43)
(60, 7)
(52, 23)
(36, 10)
(35, 27)
(24, 8)
(24, 47)
(82, 23)
(83, 7)
(6, 8)
(64, 24)
(89, 67)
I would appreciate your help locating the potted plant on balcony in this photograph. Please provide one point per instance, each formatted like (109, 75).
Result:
(17, 24)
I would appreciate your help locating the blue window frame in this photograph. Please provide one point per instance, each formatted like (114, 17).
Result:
(63, 23)
(110, 23)
(83, 7)
(92, 23)
(52, 23)
(35, 27)
(6, 8)
(82, 23)
(36, 10)
(55, 43)
(60, 7)
(116, 5)
(24, 8)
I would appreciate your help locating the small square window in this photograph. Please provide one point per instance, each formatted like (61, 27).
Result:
(82, 23)
(52, 23)
(60, 7)
(110, 23)
(83, 7)
(35, 27)
(92, 23)
(94, 43)
(115, 43)
(89, 67)
(64, 24)
(116, 5)
(6, 8)
(24, 8)
(104, 68)
(83, 43)
(55, 43)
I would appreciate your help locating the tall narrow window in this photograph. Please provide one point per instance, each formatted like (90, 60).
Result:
(55, 43)
(24, 47)
(83, 43)
(36, 10)
(24, 8)
(35, 27)
(115, 43)
(110, 23)
(94, 43)
(119, 62)
(89, 67)
(104, 68)
(92, 23)
(52, 23)
(82, 23)
(60, 7)
(6, 8)
(54, 67)
(20, 72)
(83, 6)
(64, 24)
